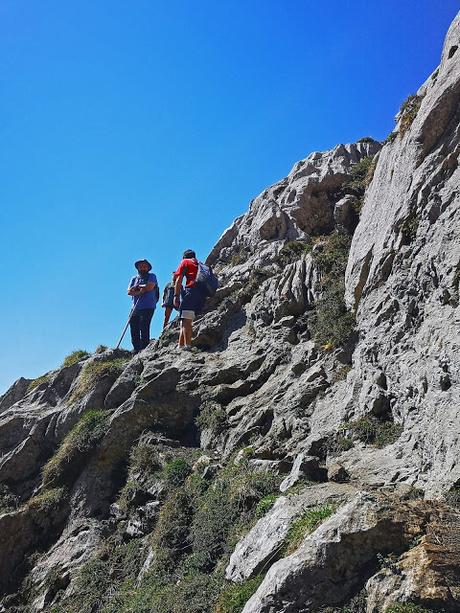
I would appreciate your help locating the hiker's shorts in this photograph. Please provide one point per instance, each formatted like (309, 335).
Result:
(187, 315)
(192, 303)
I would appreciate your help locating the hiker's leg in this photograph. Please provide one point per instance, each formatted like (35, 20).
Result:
(135, 332)
(168, 311)
(181, 334)
(187, 331)
(145, 319)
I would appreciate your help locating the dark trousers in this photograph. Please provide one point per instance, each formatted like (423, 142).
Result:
(140, 328)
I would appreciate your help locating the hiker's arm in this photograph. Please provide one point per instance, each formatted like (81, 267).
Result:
(133, 290)
(148, 287)
(177, 290)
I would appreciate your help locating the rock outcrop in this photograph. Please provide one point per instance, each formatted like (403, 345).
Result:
(304, 455)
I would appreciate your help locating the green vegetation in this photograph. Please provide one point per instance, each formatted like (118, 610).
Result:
(371, 430)
(264, 505)
(192, 539)
(331, 323)
(101, 348)
(408, 112)
(74, 357)
(236, 595)
(8, 500)
(92, 372)
(390, 138)
(47, 500)
(453, 497)
(305, 524)
(293, 251)
(212, 417)
(176, 472)
(410, 227)
(361, 174)
(38, 381)
(343, 443)
(84, 436)
(406, 607)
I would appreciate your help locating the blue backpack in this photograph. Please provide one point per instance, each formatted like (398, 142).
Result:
(206, 280)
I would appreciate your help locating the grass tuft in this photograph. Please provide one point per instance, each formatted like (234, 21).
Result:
(83, 437)
(38, 381)
(94, 371)
(235, 595)
(74, 357)
(306, 524)
(408, 112)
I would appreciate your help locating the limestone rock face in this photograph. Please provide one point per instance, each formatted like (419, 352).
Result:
(403, 275)
(368, 424)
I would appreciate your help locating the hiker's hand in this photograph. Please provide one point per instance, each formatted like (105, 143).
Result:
(176, 301)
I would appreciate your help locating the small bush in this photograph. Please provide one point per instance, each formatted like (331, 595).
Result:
(84, 435)
(264, 505)
(74, 357)
(305, 524)
(408, 112)
(361, 174)
(235, 595)
(175, 472)
(331, 323)
(171, 537)
(212, 417)
(144, 459)
(410, 227)
(101, 348)
(390, 138)
(343, 443)
(370, 430)
(366, 139)
(293, 251)
(387, 433)
(453, 497)
(38, 381)
(331, 256)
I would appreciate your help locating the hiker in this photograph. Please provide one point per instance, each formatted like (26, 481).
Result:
(168, 299)
(144, 291)
(193, 297)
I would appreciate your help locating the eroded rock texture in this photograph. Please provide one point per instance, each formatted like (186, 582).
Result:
(113, 467)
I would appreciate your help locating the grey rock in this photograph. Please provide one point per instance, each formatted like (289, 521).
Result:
(259, 548)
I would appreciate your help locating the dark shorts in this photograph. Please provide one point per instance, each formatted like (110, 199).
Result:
(192, 300)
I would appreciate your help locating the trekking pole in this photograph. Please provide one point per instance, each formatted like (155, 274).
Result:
(131, 313)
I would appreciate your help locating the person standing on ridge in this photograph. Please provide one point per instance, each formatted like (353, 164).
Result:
(143, 288)
(192, 297)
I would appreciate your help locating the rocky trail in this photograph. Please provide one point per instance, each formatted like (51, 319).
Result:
(304, 456)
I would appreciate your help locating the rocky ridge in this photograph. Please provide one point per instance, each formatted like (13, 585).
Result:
(304, 457)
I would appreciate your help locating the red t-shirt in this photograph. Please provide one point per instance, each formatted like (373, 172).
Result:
(189, 267)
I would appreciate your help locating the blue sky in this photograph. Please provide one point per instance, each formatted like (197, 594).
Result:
(138, 129)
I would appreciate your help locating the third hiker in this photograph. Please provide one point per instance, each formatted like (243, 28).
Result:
(193, 297)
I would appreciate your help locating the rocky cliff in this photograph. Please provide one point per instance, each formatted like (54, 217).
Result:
(304, 456)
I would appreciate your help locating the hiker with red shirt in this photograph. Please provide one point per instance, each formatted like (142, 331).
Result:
(193, 297)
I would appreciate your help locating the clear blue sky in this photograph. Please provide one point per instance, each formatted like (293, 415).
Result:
(137, 129)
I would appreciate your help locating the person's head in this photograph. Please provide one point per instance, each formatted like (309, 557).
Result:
(188, 254)
(143, 266)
